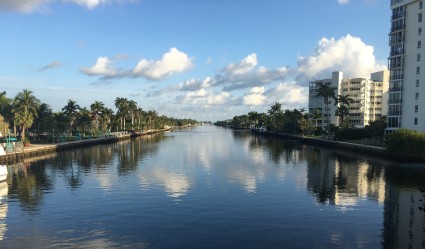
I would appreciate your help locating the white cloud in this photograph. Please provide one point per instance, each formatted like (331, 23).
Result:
(343, 1)
(244, 66)
(101, 68)
(348, 54)
(202, 97)
(89, 4)
(173, 61)
(255, 97)
(290, 95)
(28, 6)
(219, 99)
(24, 6)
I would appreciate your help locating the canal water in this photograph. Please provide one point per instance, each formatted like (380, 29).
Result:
(210, 187)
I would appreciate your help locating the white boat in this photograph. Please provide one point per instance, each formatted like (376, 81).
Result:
(3, 173)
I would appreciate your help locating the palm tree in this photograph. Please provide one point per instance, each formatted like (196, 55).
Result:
(25, 110)
(342, 112)
(96, 109)
(45, 115)
(84, 119)
(274, 111)
(326, 92)
(316, 115)
(132, 107)
(4, 126)
(106, 118)
(122, 105)
(150, 117)
(344, 102)
(71, 110)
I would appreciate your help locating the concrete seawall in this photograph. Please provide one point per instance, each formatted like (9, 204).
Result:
(35, 150)
(339, 145)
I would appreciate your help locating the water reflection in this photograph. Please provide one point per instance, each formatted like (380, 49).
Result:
(175, 184)
(4, 189)
(293, 183)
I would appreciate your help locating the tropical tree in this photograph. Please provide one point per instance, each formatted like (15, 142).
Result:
(344, 100)
(44, 118)
(316, 115)
(132, 108)
(25, 110)
(71, 110)
(122, 105)
(326, 92)
(106, 119)
(274, 112)
(253, 117)
(96, 109)
(84, 120)
(4, 127)
(342, 111)
(150, 118)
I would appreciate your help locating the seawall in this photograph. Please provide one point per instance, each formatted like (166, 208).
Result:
(35, 150)
(339, 145)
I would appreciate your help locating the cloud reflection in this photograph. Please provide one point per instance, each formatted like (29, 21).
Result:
(175, 184)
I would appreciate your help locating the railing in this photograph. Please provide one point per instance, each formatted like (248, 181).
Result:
(13, 147)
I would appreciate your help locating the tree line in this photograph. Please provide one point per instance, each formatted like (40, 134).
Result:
(25, 115)
(299, 121)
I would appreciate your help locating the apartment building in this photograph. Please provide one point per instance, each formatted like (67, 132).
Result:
(369, 98)
(406, 104)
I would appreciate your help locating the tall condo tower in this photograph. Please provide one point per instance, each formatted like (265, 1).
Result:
(406, 103)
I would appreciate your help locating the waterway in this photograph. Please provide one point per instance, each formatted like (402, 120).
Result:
(210, 187)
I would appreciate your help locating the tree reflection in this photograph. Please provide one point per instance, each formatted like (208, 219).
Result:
(279, 149)
(29, 184)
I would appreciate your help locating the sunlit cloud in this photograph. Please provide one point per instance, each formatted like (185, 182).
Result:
(349, 54)
(102, 67)
(255, 97)
(343, 1)
(174, 61)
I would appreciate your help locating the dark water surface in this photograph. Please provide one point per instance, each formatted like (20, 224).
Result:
(210, 187)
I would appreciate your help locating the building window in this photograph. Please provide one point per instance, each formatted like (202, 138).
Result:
(416, 121)
(419, 31)
(420, 4)
(417, 83)
(416, 108)
(420, 17)
(417, 96)
(418, 57)
(419, 44)
(418, 70)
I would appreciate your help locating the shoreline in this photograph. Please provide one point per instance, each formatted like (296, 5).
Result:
(35, 150)
(358, 148)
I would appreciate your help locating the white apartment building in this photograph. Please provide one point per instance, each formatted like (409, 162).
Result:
(406, 105)
(370, 98)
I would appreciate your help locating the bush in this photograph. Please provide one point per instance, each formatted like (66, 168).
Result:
(351, 134)
(406, 143)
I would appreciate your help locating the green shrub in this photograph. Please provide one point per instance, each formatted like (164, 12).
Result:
(351, 134)
(406, 142)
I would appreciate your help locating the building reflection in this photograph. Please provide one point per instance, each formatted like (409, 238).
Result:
(404, 212)
(343, 181)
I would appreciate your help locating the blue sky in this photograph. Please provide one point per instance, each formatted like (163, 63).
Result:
(202, 59)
